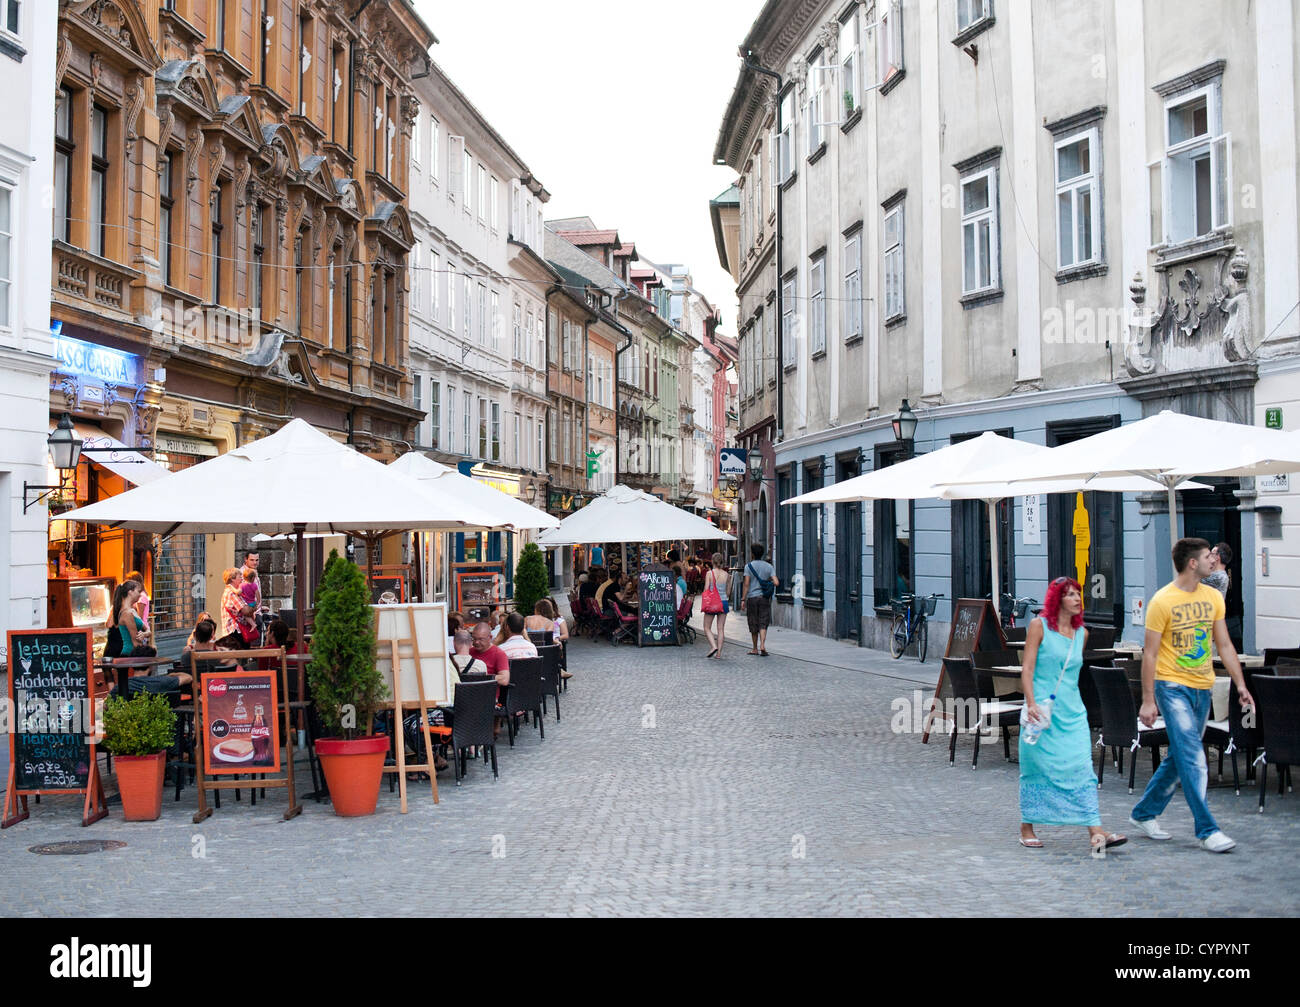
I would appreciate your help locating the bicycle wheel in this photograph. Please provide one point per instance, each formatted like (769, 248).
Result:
(922, 639)
(898, 637)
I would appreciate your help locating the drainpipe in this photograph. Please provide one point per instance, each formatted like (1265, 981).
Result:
(747, 56)
(617, 397)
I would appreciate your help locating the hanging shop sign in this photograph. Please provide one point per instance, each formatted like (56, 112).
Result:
(88, 360)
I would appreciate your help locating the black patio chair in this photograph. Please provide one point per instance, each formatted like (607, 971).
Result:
(1273, 654)
(472, 723)
(974, 707)
(551, 681)
(541, 637)
(1277, 702)
(1287, 667)
(1101, 637)
(1120, 728)
(524, 695)
(1015, 634)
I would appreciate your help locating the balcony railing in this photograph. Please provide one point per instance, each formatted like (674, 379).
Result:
(89, 277)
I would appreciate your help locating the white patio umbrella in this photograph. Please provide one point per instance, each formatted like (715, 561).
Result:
(1169, 448)
(298, 480)
(507, 512)
(932, 475)
(623, 514)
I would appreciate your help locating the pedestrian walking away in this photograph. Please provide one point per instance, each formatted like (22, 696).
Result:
(758, 587)
(1057, 782)
(714, 604)
(1177, 680)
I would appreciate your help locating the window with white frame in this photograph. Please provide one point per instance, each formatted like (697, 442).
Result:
(482, 193)
(1078, 200)
(517, 320)
(817, 304)
(12, 24)
(456, 178)
(786, 138)
(852, 311)
(815, 110)
(482, 315)
(496, 432)
(435, 282)
(538, 324)
(416, 275)
(468, 172)
(6, 254)
(553, 337)
(467, 290)
(434, 130)
(979, 231)
(493, 186)
(758, 194)
(541, 444)
(451, 296)
(892, 251)
(553, 435)
(789, 314)
(972, 12)
(889, 41)
(767, 354)
(1196, 167)
(526, 458)
(415, 141)
(496, 322)
(517, 444)
(467, 421)
(451, 417)
(417, 400)
(435, 413)
(850, 60)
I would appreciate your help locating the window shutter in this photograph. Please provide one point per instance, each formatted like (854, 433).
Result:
(1157, 194)
(456, 165)
(896, 30)
(1221, 173)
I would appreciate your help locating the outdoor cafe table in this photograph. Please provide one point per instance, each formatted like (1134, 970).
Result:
(132, 665)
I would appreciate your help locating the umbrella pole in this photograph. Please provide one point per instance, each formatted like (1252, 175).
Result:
(993, 549)
(1173, 519)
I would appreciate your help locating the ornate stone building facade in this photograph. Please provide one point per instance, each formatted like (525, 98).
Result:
(230, 237)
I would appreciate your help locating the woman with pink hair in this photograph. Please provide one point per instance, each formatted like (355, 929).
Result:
(1057, 782)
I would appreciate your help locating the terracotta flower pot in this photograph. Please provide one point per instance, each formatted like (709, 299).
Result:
(140, 782)
(353, 770)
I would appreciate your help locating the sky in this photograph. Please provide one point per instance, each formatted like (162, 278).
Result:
(615, 108)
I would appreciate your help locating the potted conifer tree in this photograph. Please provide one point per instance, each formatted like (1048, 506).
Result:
(138, 732)
(531, 581)
(346, 689)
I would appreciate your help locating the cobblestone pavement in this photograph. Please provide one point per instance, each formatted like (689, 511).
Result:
(677, 786)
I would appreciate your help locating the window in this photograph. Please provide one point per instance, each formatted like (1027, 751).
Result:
(6, 253)
(416, 277)
(493, 186)
(467, 291)
(99, 180)
(417, 400)
(517, 319)
(469, 182)
(538, 326)
(971, 12)
(893, 540)
(482, 315)
(218, 226)
(518, 444)
(552, 434)
(895, 291)
(304, 58)
(889, 42)
(482, 193)
(415, 140)
(165, 204)
(541, 445)
(786, 138)
(496, 432)
(435, 281)
(813, 533)
(553, 338)
(12, 18)
(496, 322)
(816, 107)
(1078, 201)
(482, 428)
(566, 439)
(785, 529)
(467, 420)
(979, 232)
(852, 313)
(850, 60)
(435, 413)
(63, 148)
(789, 337)
(451, 299)
(817, 304)
(451, 418)
(1197, 168)
(767, 353)
(434, 130)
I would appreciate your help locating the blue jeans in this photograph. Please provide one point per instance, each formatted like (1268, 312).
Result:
(1185, 711)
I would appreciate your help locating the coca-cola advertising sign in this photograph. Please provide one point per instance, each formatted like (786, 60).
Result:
(240, 729)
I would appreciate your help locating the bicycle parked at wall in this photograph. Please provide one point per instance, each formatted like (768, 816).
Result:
(1015, 611)
(911, 615)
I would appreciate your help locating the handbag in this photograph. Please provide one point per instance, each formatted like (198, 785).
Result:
(711, 601)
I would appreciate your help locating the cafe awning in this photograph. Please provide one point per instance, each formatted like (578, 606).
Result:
(626, 515)
(115, 456)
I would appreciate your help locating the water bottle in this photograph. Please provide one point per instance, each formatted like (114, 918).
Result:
(1030, 729)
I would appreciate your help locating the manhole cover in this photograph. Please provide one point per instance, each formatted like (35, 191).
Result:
(77, 846)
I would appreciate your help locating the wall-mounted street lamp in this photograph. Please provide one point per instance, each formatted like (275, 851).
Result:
(755, 461)
(66, 449)
(904, 424)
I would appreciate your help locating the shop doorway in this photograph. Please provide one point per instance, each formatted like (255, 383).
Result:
(848, 557)
(1212, 514)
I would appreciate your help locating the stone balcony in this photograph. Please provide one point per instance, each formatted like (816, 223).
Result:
(98, 283)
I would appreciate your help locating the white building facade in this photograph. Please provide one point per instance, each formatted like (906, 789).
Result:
(27, 63)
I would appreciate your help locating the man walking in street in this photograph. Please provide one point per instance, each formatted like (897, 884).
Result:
(759, 586)
(1177, 680)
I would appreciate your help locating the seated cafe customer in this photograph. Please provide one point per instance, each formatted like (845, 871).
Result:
(463, 662)
(516, 643)
(127, 635)
(494, 659)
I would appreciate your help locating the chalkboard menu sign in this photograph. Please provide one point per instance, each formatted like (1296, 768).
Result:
(52, 719)
(657, 616)
(974, 627)
(479, 590)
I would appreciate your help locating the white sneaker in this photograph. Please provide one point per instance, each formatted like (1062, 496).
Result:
(1151, 828)
(1217, 842)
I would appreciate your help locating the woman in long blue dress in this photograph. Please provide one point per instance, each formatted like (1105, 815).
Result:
(1057, 782)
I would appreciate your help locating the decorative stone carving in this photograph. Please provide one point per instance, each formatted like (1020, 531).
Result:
(828, 37)
(134, 103)
(63, 60)
(96, 72)
(281, 211)
(184, 414)
(216, 159)
(166, 123)
(410, 111)
(1236, 305)
(243, 168)
(192, 150)
(68, 388)
(1137, 347)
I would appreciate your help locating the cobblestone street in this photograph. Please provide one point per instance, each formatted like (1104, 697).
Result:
(677, 786)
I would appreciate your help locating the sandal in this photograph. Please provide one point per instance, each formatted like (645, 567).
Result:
(1113, 839)
(710, 653)
(1032, 843)
(754, 652)
(763, 653)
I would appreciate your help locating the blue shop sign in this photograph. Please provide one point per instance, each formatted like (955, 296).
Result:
(88, 360)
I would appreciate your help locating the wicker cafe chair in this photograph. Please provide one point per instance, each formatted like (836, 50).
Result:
(1120, 727)
(1278, 705)
(472, 723)
(974, 708)
(524, 695)
(550, 676)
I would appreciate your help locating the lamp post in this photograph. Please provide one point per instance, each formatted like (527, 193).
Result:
(904, 424)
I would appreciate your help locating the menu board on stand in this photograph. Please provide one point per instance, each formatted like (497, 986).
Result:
(53, 722)
(389, 585)
(480, 589)
(975, 626)
(657, 611)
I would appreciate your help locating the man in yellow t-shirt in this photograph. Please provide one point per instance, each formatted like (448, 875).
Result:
(1183, 617)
